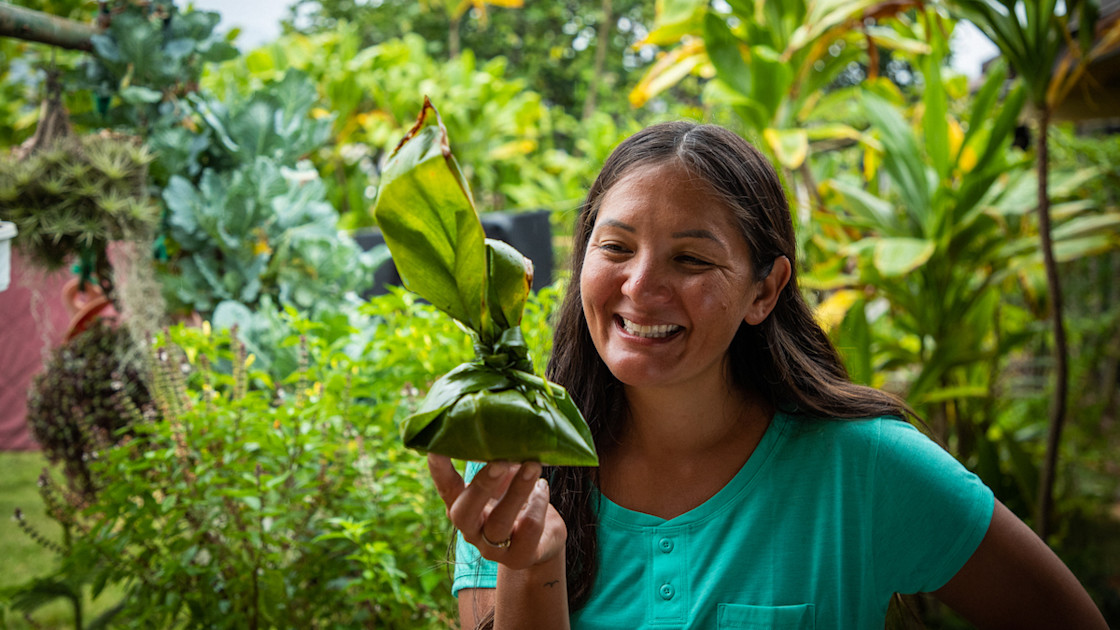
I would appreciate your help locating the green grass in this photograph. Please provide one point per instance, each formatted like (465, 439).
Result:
(24, 559)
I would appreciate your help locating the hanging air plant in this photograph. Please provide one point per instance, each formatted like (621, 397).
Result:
(71, 198)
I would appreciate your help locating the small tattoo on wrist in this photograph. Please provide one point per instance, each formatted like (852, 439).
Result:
(552, 583)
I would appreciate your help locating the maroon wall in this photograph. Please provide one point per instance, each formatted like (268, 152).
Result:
(25, 328)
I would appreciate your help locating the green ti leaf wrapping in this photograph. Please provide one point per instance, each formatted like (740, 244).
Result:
(494, 407)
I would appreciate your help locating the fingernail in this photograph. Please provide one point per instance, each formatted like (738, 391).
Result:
(529, 471)
(497, 469)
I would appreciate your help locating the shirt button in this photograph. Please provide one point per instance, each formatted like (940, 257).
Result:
(666, 544)
(666, 591)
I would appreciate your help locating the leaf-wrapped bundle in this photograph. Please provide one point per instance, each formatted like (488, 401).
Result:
(493, 407)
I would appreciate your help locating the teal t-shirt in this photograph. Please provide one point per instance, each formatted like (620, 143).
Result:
(822, 525)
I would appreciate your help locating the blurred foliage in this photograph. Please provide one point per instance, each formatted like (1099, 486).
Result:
(503, 134)
(773, 63)
(21, 77)
(283, 241)
(271, 499)
(150, 55)
(551, 45)
(1037, 38)
(934, 196)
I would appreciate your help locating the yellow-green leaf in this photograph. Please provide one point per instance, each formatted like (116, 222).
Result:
(790, 146)
(898, 256)
(669, 69)
(673, 19)
(832, 311)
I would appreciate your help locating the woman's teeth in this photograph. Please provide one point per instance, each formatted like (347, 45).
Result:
(649, 332)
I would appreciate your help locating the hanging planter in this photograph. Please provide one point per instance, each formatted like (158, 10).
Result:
(7, 233)
(86, 305)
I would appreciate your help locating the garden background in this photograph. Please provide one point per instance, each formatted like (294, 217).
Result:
(220, 409)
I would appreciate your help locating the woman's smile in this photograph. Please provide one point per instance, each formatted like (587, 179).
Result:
(658, 331)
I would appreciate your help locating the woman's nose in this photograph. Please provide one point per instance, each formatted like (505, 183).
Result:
(646, 280)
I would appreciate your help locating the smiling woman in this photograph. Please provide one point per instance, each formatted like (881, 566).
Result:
(744, 481)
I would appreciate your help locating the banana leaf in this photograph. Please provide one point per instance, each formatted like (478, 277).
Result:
(493, 407)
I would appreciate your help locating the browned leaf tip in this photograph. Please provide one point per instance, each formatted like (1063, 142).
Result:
(420, 120)
(415, 128)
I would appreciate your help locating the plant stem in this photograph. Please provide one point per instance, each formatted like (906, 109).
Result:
(600, 59)
(1061, 367)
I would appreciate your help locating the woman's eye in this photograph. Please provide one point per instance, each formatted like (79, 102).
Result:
(693, 261)
(612, 248)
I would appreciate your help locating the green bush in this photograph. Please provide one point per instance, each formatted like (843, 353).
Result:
(255, 501)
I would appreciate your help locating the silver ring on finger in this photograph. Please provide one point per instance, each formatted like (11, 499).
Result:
(501, 544)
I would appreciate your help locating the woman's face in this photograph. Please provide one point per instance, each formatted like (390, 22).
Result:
(666, 279)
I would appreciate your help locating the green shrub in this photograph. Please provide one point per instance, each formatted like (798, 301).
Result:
(262, 501)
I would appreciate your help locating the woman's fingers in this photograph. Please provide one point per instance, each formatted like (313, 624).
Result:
(488, 487)
(498, 525)
(503, 511)
(448, 482)
(532, 520)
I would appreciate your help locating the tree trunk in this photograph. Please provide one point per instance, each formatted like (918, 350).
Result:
(601, 45)
(453, 38)
(1061, 367)
(36, 26)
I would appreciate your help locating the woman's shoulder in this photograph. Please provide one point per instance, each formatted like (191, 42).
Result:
(854, 430)
(880, 439)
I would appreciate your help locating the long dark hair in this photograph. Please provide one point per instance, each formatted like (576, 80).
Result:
(787, 358)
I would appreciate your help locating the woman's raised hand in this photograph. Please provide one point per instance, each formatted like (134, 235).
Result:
(504, 511)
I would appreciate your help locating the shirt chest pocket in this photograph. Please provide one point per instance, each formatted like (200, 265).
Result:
(747, 617)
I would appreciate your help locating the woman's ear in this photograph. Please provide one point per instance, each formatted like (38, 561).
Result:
(769, 288)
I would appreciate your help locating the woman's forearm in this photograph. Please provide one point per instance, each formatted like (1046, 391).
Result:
(536, 597)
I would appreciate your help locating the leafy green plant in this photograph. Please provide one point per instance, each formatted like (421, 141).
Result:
(283, 246)
(943, 190)
(150, 54)
(229, 509)
(283, 242)
(288, 500)
(506, 132)
(271, 122)
(1036, 37)
(772, 63)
